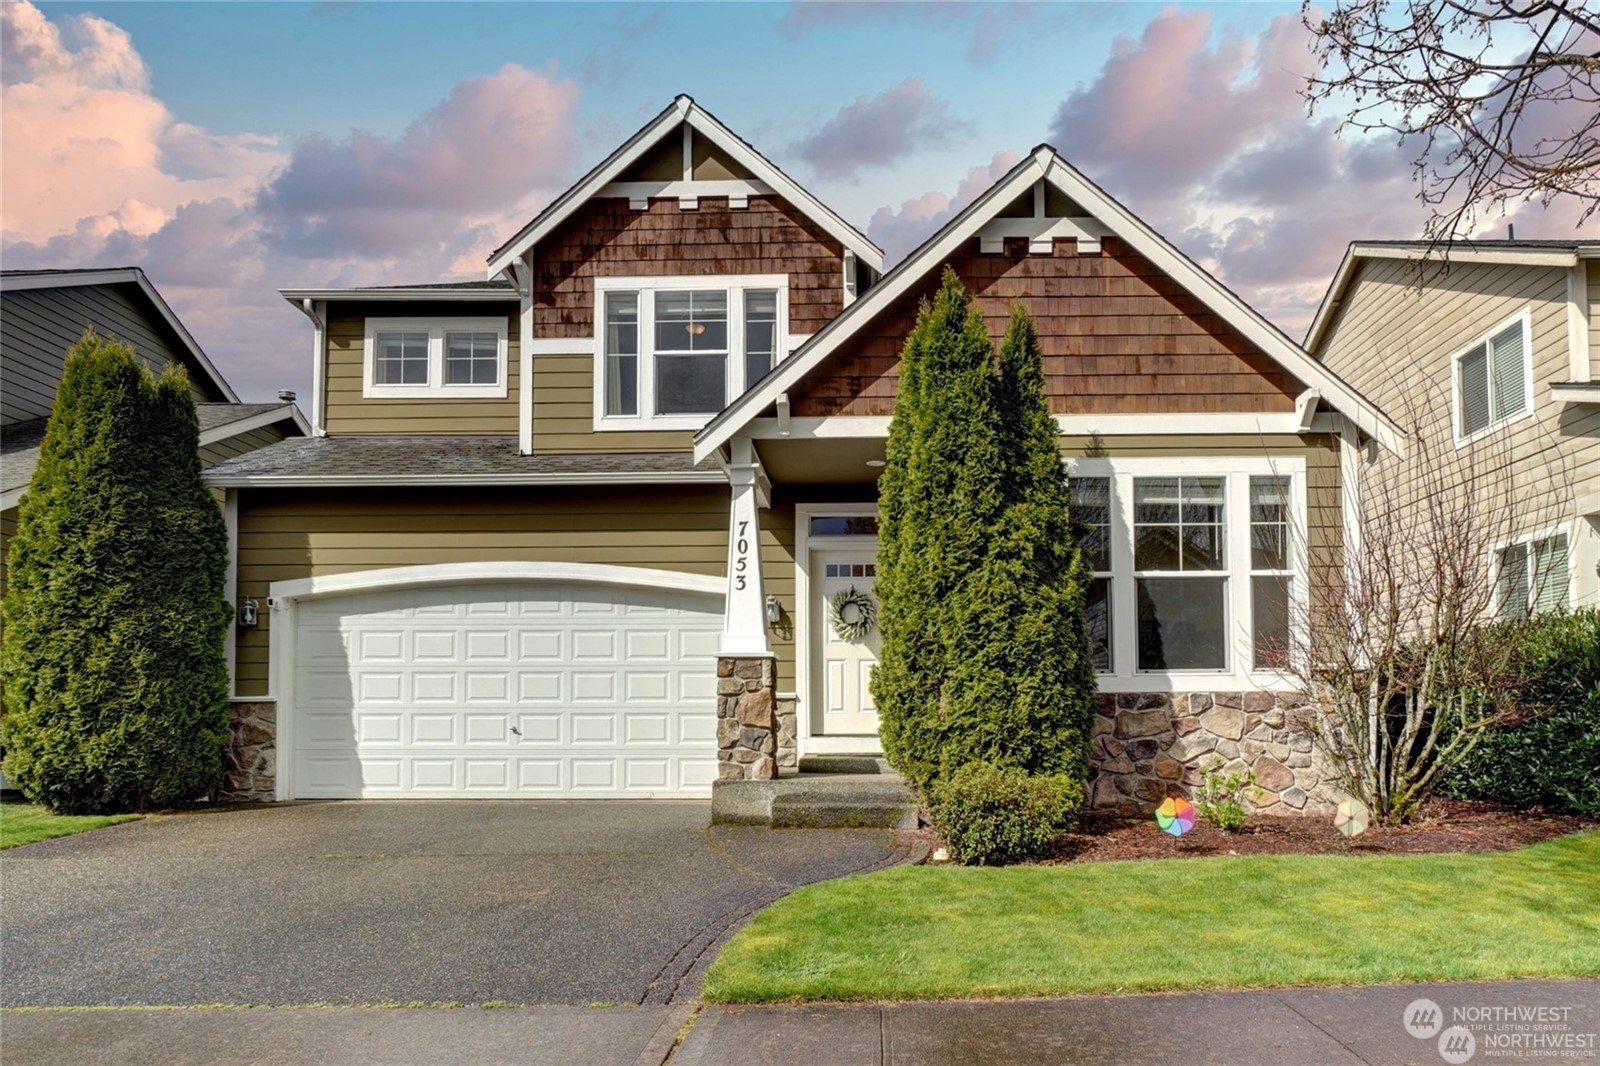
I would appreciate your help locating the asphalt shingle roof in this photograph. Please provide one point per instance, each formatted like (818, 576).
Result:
(400, 460)
(19, 453)
(217, 415)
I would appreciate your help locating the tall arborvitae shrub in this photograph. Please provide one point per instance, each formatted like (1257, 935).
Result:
(937, 498)
(1021, 688)
(114, 673)
(985, 656)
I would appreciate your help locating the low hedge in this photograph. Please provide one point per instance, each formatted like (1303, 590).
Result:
(1548, 753)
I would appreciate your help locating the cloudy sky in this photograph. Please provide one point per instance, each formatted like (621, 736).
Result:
(233, 149)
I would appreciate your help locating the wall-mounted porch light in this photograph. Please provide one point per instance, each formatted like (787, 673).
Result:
(249, 613)
(774, 612)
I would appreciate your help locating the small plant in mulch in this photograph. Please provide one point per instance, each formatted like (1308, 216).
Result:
(1221, 797)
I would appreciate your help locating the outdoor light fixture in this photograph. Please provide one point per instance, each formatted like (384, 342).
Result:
(249, 613)
(774, 612)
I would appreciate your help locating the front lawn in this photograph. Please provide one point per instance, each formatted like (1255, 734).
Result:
(24, 823)
(934, 932)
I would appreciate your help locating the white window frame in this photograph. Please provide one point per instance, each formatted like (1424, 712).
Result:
(1239, 672)
(735, 286)
(1525, 319)
(435, 389)
(1496, 605)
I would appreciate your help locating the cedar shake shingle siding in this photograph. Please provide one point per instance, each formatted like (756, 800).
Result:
(1117, 335)
(607, 238)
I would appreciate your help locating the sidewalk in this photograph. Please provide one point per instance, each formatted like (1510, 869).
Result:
(1282, 1027)
(1279, 1027)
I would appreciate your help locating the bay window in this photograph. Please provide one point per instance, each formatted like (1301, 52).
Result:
(675, 351)
(1197, 565)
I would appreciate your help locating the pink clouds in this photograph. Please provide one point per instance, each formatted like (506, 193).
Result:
(1209, 141)
(77, 108)
(880, 131)
(494, 142)
(897, 232)
(99, 172)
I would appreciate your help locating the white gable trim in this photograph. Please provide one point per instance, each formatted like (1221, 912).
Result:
(286, 413)
(683, 110)
(1045, 164)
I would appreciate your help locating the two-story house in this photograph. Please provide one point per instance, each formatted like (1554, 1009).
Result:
(574, 529)
(1493, 357)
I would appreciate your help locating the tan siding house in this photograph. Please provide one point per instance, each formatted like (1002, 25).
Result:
(1491, 359)
(590, 551)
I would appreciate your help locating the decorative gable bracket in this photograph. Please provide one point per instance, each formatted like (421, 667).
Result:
(1041, 234)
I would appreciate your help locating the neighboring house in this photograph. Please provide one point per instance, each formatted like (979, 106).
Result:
(572, 530)
(1495, 355)
(43, 313)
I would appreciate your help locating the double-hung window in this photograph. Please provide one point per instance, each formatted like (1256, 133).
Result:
(675, 351)
(1533, 575)
(1493, 380)
(418, 358)
(1091, 510)
(1181, 572)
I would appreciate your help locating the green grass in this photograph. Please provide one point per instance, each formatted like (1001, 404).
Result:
(25, 823)
(932, 932)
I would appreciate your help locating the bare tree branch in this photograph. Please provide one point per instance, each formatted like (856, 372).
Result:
(1500, 101)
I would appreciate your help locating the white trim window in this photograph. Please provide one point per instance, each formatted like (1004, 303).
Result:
(1198, 568)
(1492, 379)
(434, 358)
(674, 351)
(1533, 575)
(1091, 511)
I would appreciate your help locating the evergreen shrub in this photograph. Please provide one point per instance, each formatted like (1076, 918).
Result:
(115, 679)
(989, 816)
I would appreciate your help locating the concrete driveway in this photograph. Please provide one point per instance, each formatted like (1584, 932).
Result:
(557, 902)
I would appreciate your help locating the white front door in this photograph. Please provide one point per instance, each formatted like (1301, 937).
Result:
(844, 667)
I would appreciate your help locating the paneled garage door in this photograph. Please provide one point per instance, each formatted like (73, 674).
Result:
(506, 690)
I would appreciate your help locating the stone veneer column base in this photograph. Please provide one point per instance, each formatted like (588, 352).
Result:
(747, 719)
(1151, 745)
(250, 761)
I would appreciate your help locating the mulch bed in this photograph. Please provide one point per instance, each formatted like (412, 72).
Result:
(1444, 826)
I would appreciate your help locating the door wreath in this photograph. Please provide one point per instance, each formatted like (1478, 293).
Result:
(851, 613)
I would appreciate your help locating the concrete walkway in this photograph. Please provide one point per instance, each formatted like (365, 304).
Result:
(1286, 1027)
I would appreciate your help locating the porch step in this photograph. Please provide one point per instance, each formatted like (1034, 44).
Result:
(816, 801)
(844, 764)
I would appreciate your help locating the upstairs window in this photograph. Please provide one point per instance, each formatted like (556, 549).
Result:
(675, 351)
(411, 358)
(1493, 380)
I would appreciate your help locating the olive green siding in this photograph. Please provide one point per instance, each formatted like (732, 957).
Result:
(289, 534)
(563, 413)
(348, 411)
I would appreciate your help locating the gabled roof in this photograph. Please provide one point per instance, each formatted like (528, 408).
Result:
(17, 280)
(1045, 163)
(1539, 253)
(683, 110)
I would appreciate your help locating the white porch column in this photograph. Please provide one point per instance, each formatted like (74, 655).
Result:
(522, 277)
(744, 620)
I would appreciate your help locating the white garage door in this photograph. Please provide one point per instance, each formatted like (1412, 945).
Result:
(506, 690)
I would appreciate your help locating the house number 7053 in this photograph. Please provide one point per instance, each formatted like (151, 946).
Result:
(741, 565)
